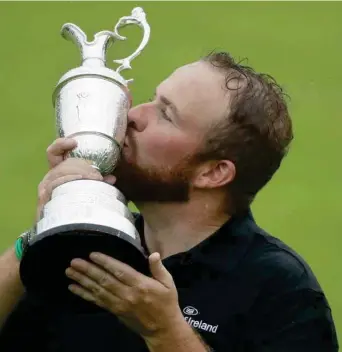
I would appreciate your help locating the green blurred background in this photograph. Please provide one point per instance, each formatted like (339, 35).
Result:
(298, 43)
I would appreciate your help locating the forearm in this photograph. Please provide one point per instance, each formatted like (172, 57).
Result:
(181, 338)
(11, 288)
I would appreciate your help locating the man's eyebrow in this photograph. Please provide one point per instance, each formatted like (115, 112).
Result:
(169, 103)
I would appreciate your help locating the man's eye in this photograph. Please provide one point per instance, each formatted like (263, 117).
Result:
(164, 115)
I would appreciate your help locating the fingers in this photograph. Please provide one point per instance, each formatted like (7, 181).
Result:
(95, 294)
(65, 170)
(121, 271)
(58, 177)
(96, 280)
(99, 297)
(110, 179)
(56, 154)
(73, 166)
(56, 151)
(60, 181)
(69, 170)
(83, 293)
(159, 272)
(45, 190)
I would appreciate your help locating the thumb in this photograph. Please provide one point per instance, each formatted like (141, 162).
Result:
(158, 270)
(43, 198)
(111, 179)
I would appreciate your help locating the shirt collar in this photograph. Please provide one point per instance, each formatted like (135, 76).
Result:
(222, 250)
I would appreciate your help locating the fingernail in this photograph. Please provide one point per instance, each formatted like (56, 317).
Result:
(75, 261)
(71, 141)
(94, 256)
(72, 288)
(69, 271)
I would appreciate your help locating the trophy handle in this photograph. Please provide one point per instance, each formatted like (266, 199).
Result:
(138, 17)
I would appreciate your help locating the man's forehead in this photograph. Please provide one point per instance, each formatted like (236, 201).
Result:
(199, 71)
(198, 90)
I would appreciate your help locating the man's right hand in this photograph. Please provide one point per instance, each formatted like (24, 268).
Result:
(62, 170)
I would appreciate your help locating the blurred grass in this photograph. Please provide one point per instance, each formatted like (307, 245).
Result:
(300, 43)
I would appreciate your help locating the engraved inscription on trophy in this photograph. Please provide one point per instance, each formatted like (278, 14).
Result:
(82, 103)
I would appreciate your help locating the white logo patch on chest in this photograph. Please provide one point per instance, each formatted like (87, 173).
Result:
(190, 312)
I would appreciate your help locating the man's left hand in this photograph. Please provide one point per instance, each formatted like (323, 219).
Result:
(147, 305)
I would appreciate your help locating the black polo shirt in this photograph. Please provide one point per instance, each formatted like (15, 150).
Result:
(241, 289)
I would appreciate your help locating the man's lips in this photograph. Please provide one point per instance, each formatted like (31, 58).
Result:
(128, 141)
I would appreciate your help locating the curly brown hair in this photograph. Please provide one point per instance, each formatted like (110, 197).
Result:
(256, 133)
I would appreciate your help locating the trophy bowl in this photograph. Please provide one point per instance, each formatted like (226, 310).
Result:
(91, 104)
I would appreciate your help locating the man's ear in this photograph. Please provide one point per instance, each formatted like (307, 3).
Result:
(215, 174)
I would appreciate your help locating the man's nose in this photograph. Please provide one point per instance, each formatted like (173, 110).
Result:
(137, 117)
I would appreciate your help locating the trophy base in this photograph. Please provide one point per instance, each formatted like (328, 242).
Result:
(42, 268)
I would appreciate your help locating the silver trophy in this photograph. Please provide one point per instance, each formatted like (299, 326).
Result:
(91, 104)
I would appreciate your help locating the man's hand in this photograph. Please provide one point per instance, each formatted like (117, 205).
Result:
(147, 305)
(62, 170)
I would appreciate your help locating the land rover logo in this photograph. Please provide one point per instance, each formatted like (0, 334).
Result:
(190, 310)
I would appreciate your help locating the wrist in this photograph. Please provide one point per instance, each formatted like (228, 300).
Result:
(21, 243)
(10, 265)
(176, 329)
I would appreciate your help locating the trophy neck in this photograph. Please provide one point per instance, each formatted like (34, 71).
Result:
(93, 62)
(94, 53)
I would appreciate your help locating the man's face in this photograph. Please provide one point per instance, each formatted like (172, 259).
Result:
(163, 136)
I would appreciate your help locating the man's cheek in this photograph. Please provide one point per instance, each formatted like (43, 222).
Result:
(157, 145)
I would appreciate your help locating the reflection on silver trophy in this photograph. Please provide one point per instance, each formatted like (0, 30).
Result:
(91, 104)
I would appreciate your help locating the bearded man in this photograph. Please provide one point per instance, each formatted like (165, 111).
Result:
(194, 159)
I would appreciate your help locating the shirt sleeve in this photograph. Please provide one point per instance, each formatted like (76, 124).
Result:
(296, 321)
